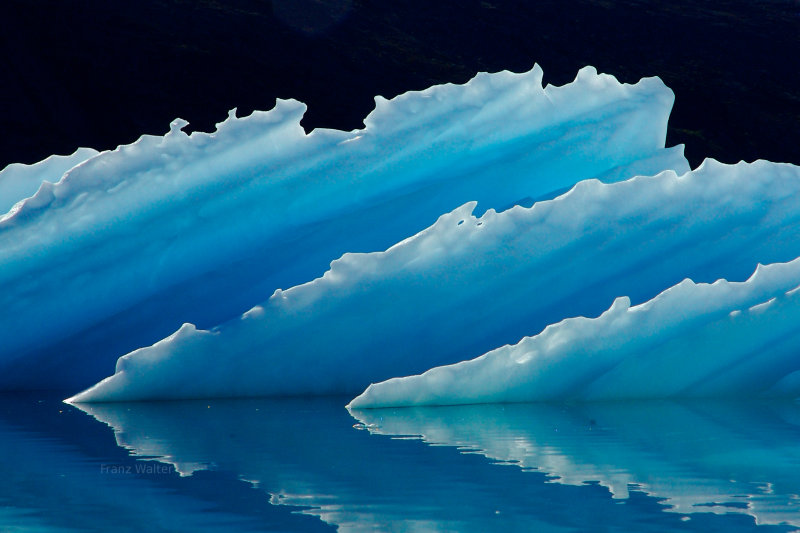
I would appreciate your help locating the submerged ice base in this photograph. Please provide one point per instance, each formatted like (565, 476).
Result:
(130, 244)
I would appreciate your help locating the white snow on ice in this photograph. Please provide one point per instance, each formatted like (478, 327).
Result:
(19, 181)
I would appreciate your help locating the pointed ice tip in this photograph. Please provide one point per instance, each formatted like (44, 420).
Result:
(359, 401)
(379, 101)
(621, 303)
(76, 399)
(468, 208)
(177, 125)
(587, 71)
(285, 108)
(354, 403)
(758, 271)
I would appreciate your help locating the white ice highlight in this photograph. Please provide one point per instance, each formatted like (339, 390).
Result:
(18, 181)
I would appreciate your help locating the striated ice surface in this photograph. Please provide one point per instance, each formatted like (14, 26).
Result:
(467, 285)
(693, 340)
(198, 228)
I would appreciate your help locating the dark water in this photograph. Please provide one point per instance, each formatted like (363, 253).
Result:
(309, 465)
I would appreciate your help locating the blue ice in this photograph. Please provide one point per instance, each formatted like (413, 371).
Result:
(128, 245)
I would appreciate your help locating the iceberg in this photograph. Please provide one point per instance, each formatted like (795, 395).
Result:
(693, 340)
(469, 284)
(130, 244)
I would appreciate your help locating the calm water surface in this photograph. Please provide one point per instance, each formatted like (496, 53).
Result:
(310, 465)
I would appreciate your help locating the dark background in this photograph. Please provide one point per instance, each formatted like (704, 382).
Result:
(100, 73)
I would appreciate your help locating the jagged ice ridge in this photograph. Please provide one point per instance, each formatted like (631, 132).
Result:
(467, 285)
(106, 252)
(120, 250)
(693, 340)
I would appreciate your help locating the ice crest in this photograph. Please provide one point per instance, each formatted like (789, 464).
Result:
(468, 284)
(199, 228)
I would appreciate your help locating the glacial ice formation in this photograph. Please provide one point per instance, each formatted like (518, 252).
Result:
(198, 228)
(693, 340)
(467, 285)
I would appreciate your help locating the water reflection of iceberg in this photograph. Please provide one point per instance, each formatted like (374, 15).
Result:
(61, 472)
(708, 457)
(306, 452)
